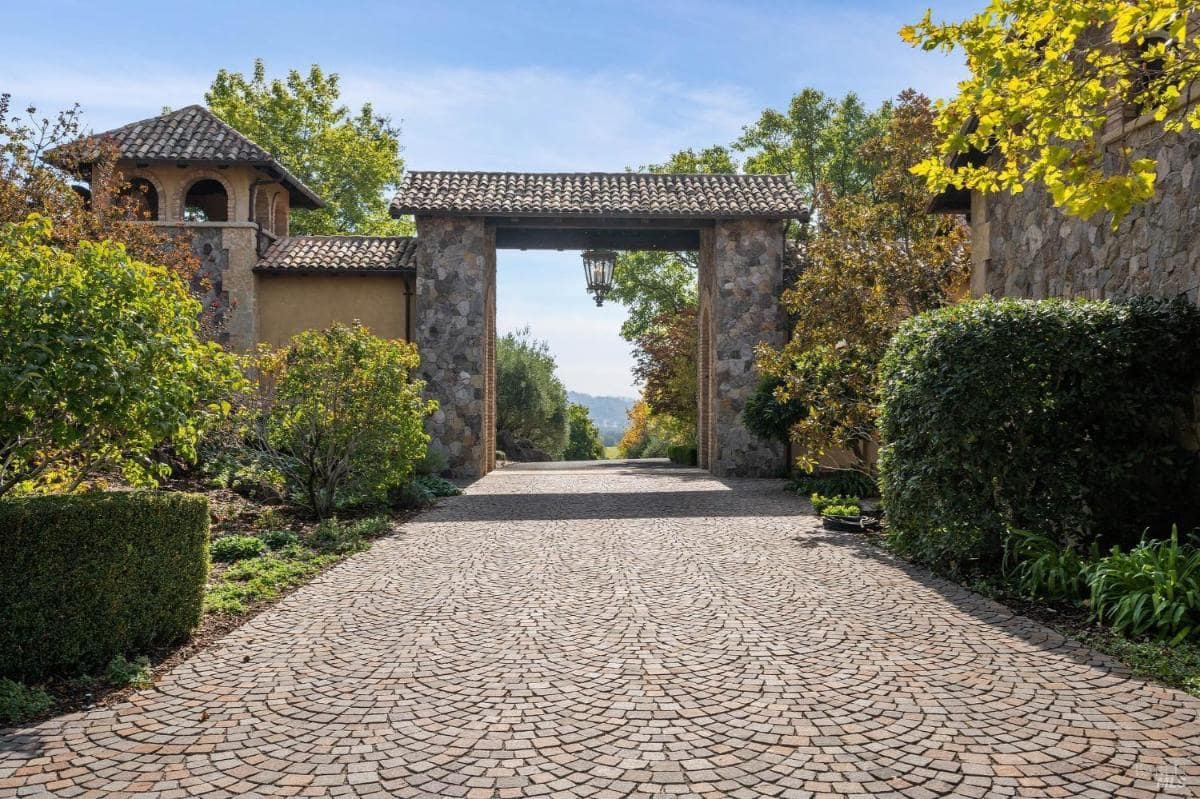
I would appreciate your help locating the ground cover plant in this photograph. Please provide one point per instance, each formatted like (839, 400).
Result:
(1152, 590)
(293, 561)
(19, 702)
(236, 547)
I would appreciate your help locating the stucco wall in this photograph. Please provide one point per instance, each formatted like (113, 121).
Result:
(289, 304)
(1024, 247)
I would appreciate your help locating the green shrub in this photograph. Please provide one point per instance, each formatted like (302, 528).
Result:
(90, 576)
(132, 673)
(335, 538)
(413, 496)
(686, 455)
(1154, 589)
(339, 538)
(1042, 568)
(845, 482)
(19, 702)
(768, 418)
(1060, 417)
(583, 437)
(100, 363)
(501, 455)
(236, 547)
(342, 414)
(435, 462)
(820, 502)
(437, 486)
(841, 510)
(279, 539)
(656, 448)
(371, 527)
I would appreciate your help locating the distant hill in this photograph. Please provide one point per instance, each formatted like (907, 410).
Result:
(609, 413)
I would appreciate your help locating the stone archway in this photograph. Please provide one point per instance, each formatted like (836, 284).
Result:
(735, 222)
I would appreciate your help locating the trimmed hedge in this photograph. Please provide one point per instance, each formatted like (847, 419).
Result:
(89, 576)
(1064, 418)
(683, 455)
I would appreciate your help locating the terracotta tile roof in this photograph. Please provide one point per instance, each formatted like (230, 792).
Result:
(192, 133)
(344, 254)
(620, 194)
(195, 134)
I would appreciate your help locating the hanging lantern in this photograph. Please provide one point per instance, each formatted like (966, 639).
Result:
(598, 270)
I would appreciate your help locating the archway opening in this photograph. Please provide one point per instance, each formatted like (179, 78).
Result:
(206, 201)
(141, 198)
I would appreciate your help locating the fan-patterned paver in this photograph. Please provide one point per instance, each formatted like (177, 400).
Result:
(619, 630)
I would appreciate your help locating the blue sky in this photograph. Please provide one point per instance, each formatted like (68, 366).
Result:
(558, 86)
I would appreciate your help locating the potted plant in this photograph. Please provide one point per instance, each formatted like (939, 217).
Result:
(844, 513)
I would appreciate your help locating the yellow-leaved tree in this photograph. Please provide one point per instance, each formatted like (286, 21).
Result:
(1046, 77)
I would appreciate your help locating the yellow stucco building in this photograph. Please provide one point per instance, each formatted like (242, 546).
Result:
(190, 169)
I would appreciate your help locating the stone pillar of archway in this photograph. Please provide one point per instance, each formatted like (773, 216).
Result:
(741, 276)
(456, 277)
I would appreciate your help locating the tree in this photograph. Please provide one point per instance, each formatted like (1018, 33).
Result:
(651, 436)
(41, 159)
(870, 265)
(100, 363)
(340, 413)
(816, 141)
(665, 362)
(633, 441)
(531, 402)
(1045, 77)
(583, 441)
(350, 160)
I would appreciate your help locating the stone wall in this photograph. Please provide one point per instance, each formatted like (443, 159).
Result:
(1024, 247)
(225, 282)
(455, 270)
(746, 281)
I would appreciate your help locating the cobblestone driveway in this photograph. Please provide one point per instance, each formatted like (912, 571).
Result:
(619, 631)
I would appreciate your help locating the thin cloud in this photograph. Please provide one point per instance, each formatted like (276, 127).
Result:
(540, 119)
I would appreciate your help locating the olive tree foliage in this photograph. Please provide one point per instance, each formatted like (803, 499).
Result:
(101, 363)
(350, 159)
(869, 265)
(338, 413)
(583, 440)
(531, 402)
(1044, 77)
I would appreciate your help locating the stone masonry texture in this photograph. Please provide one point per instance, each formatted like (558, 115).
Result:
(1036, 251)
(747, 275)
(455, 256)
(625, 630)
